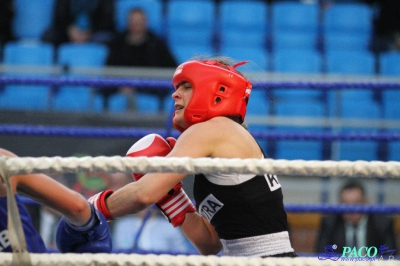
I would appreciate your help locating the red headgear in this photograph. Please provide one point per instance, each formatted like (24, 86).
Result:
(218, 90)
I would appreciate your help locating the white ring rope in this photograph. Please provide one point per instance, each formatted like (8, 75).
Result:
(181, 260)
(24, 165)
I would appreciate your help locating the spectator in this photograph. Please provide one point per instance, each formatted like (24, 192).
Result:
(138, 46)
(6, 17)
(355, 229)
(156, 236)
(386, 25)
(80, 21)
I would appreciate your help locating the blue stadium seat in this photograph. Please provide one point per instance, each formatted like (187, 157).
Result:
(27, 97)
(243, 23)
(153, 9)
(297, 61)
(349, 17)
(358, 108)
(389, 63)
(299, 149)
(348, 25)
(258, 103)
(190, 22)
(294, 25)
(258, 106)
(118, 103)
(258, 57)
(32, 18)
(79, 98)
(146, 103)
(394, 151)
(346, 41)
(28, 53)
(358, 150)
(390, 104)
(183, 52)
(85, 55)
(294, 40)
(389, 66)
(306, 109)
(350, 63)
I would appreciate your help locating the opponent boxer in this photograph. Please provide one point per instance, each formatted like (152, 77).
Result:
(82, 229)
(242, 214)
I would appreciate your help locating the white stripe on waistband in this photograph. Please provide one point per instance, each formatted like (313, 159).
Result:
(258, 246)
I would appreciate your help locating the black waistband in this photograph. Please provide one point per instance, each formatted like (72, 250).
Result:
(287, 254)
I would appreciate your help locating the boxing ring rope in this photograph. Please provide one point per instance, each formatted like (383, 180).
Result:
(24, 165)
(266, 81)
(113, 132)
(301, 168)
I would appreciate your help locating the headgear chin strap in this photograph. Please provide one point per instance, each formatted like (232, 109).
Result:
(218, 90)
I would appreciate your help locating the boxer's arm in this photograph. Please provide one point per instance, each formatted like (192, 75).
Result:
(47, 191)
(82, 228)
(175, 204)
(201, 234)
(152, 187)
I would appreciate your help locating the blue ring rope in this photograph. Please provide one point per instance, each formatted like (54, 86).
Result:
(317, 208)
(166, 83)
(113, 132)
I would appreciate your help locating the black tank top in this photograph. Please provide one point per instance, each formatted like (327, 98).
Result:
(244, 208)
(252, 208)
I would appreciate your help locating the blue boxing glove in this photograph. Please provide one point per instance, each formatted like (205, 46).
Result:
(92, 237)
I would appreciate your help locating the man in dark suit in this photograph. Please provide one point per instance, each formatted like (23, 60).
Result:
(355, 229)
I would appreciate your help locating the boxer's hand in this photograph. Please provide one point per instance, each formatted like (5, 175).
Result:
(150, 145)
(99, 203)
(93, 237)
(175, 205)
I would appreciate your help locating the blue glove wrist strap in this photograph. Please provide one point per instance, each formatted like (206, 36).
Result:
(89, 224)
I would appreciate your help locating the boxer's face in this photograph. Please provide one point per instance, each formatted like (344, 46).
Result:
(181, 97)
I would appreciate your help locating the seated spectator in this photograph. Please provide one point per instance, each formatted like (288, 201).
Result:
(386, 25)
(6, 17)
(355, 229)
(80, 21)
(156, 236)
(138, 46)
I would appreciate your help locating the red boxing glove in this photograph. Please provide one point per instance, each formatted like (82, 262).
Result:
(175, 205)
(171, 141)
(150, 145)
(99, 203)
